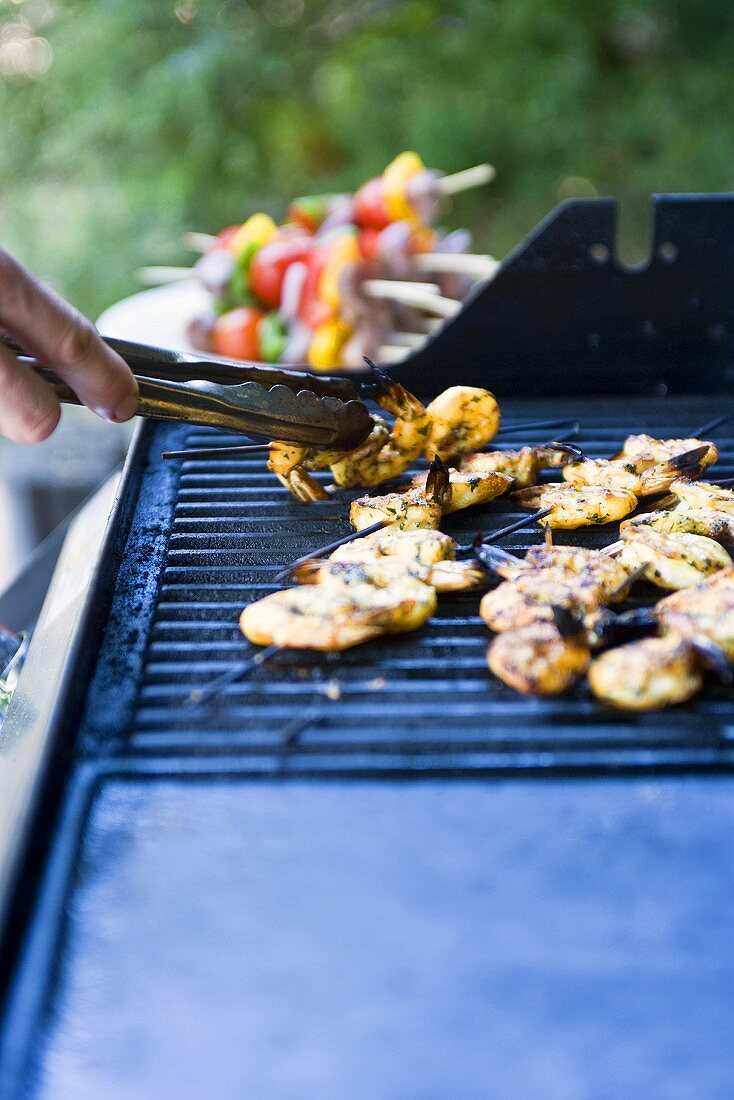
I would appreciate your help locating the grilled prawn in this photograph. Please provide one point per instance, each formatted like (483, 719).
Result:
(538, 660)
(338, 616)
(610, 571)
(468, 489)
(685, 520)
(647, 675)
(644, 451)
(463, 419)
(673, 561)
(617, 474)
(523, 465)
(571, 508)
(443, 576)
(704, 611)
(531, 597)
(703, 494)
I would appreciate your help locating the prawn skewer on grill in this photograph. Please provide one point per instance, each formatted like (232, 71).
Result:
(462, 417)
(672, 560)
(523, 465)
(352, 608)
(683, 519)
(432, 553)
(571, 508)
(647, 675)
(543, 658)
(616, 474)
(439, 491)
(702, 494)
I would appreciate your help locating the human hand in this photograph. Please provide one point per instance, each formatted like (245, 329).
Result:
(62, 339)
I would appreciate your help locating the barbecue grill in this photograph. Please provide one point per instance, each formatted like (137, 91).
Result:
(342, 875)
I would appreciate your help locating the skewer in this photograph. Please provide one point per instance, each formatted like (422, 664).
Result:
(218, 452)
(410, 294)
(518, 525)
(461, 263)
(200, 695)
(323, 550)
(198, 242)
(709, 427)
(466, 179)
(535, 425)
(389, 353)
(379, 288)
(623, 587)
(406, 339)
(158, 275)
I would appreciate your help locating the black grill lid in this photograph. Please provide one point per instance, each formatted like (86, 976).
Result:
(563, 315)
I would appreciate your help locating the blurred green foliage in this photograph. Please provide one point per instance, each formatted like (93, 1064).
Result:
(124, 122)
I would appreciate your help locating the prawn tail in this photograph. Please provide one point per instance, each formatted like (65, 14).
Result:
(712, 656)
(688, 464)
(390, 395)
(551, 456)
(569, 622)
(496, 561)
(438, 485)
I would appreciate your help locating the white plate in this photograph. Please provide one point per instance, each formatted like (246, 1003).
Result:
(158, 317)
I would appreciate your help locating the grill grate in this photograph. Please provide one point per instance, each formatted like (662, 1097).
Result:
(419, 703)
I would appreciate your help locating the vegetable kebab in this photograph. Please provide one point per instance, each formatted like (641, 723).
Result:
(343, 277)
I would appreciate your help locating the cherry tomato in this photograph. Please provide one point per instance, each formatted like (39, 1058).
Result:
(368, 244)
(370, 211)
(312, 311)
(235, 334)
(309, 211)
(268, 267)
(224, 236)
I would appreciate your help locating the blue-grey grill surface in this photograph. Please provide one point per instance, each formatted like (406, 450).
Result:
(416, 703)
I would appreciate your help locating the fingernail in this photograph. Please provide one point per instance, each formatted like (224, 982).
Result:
(124, 411)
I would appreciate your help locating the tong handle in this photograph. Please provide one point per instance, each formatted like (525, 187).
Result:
(179, 366)
(248, 409)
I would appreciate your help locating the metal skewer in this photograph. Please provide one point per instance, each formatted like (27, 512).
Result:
(218, 452)
(324, 550)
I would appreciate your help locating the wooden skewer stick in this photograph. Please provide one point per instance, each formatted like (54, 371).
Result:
(378, 288)
(158, 275)
(198, 242)
(389, 353)
(465, 180)
(409, 295)
(462, 263)
(402, 339)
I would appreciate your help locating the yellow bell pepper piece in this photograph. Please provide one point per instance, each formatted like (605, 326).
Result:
(394, 180)
(328, 339)
(258, 229)
(344, 250)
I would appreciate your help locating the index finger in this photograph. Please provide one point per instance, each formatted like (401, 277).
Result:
(57, 334)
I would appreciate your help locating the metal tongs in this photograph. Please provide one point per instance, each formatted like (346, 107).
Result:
(272, 402)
